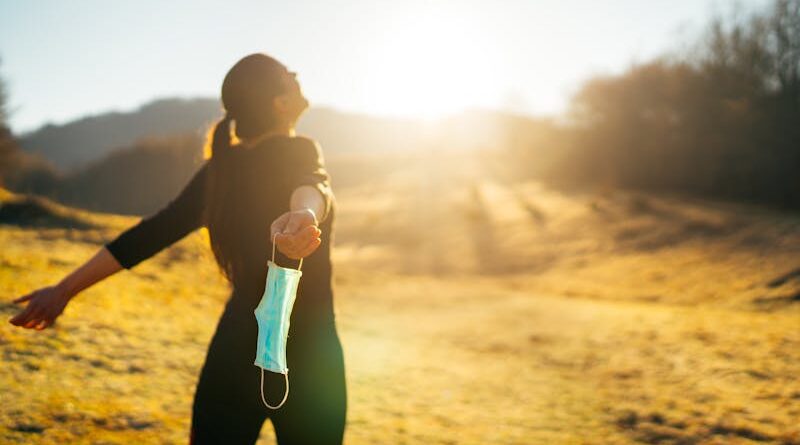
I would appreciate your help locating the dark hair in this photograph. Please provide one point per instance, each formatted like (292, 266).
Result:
(247, 97)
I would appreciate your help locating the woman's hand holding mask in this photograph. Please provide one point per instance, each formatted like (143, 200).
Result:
(298, 235)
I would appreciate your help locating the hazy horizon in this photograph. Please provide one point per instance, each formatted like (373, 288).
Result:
(64, 61)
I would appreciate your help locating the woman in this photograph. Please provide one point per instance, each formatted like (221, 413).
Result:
(270, 178)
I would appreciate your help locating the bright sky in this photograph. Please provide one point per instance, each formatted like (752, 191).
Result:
(65, 59)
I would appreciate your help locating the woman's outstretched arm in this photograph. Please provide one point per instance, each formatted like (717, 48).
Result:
(47, 303)
(298, 232)
(154, 233)
(139, 242)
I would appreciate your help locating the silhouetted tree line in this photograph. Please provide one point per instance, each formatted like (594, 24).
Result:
(135, 180)
(722, 120)
(9, 152)
(16, 166)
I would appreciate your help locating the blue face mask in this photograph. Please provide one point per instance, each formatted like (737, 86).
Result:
(272, 314)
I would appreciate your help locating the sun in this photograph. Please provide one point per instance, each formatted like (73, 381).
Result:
(426, 67)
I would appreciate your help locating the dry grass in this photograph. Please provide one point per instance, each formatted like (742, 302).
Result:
(471, 311)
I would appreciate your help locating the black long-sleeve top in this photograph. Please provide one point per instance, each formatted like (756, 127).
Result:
(267, 174)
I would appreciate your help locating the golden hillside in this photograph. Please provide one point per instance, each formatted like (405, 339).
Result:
(471, 309)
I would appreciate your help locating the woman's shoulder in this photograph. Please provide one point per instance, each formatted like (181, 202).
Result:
(298, 142)
(306, 141)
(297, 148)
(307, 148)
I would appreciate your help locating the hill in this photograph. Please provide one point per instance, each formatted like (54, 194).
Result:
(517, 313)
(76, 144)
(32, 211)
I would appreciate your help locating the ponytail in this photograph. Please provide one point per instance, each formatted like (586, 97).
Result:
(221, 200)
(247, 97)
(221, 140)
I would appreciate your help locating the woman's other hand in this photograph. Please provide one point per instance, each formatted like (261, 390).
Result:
(44, 306)
(297, 233)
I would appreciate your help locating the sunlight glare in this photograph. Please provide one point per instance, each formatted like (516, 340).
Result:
(428, 67)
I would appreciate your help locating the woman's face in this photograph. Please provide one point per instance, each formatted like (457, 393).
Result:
(291, 104)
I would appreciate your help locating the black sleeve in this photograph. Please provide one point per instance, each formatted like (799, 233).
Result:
(153, 233)
(308, 168)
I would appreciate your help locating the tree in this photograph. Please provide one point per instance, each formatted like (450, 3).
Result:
(724, 121)
(9, 152)
(784, 27)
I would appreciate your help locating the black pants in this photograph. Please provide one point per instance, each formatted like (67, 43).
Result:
(227, 407)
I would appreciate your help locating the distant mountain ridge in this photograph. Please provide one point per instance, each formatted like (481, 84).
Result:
(134, 162)
(79, 142)
(76, 144)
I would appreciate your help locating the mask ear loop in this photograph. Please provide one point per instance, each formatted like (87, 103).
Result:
(285, 395)
(286, 375)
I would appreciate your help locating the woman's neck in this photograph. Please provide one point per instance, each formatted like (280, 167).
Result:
(252, 142)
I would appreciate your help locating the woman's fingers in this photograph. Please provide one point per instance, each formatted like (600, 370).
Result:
(22, 317)
(296, 234)
(43, 307)
(294, 242)
(304, 236)
(45, 323)
(25, 315)
(39, 313)
(33, 314)
(308, 242)
(34, 318)
(310, 247)
(300, 244)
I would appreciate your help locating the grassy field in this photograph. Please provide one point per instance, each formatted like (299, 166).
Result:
(471, 309)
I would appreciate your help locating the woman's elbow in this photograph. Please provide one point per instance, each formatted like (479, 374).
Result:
(317, 197)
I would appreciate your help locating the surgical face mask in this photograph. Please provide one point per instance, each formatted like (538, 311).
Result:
(272, 314)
